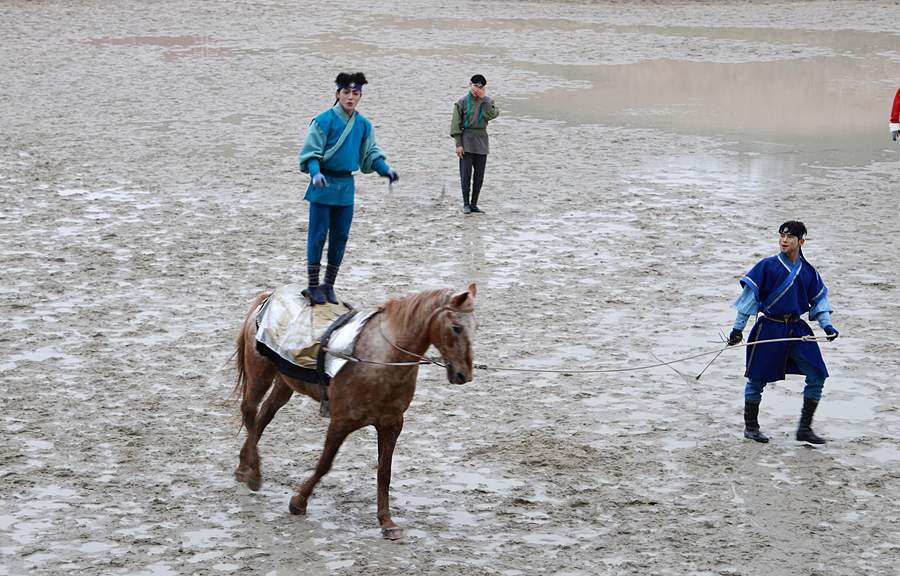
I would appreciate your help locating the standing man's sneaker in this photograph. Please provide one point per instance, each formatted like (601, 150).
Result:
(467, 209)
(477, 209)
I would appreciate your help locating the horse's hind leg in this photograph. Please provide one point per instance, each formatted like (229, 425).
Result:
(258, 383)
(280, 395)
(387, 440)
(333, 439)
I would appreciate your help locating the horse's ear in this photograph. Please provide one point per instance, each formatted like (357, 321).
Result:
(459, 299)
(472, 289)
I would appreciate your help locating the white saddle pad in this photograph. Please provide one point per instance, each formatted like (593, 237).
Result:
(289, 326)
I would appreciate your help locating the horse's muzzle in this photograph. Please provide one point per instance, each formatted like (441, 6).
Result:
(457, 377)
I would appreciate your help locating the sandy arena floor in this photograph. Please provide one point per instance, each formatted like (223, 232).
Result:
(645, 155)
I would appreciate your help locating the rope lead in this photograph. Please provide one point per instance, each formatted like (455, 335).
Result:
(607, 370)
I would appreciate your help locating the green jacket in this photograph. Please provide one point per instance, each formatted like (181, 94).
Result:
(470, 131)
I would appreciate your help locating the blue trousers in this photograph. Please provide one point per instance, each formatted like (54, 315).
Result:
(815, 380)
(333, 223)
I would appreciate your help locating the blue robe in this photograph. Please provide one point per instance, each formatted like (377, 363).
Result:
(781, 289)
(357, 152)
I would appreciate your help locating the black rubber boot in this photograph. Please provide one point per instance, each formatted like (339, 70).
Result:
(804, 431)
(331, 272)
(751, 422)
(315, 292)
(466, 206)
(474, 204)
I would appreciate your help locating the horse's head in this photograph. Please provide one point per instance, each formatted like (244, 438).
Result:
(452, 333)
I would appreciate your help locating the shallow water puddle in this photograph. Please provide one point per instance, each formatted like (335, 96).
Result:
(784, 97)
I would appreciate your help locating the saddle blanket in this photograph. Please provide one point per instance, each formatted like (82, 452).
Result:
(292, 328)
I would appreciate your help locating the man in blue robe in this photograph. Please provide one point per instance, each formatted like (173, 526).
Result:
(338, 142)
(783, 287)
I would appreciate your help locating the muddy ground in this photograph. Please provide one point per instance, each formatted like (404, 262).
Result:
(643, 159)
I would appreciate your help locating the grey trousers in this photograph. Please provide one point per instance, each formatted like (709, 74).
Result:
(467, 164)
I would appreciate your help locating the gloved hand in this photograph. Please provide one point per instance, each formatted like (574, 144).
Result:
(392, 175)
(735, 337)
(319, 180)
(894, 134)
(832, 333)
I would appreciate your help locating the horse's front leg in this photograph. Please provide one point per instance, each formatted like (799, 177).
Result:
(387, 440)
(337, 433)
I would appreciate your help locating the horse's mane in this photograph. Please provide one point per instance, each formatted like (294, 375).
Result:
(407, 310)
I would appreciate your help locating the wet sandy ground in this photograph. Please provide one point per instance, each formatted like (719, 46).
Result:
(645, 155)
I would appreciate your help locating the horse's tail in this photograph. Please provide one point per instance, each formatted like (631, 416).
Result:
(240, 388)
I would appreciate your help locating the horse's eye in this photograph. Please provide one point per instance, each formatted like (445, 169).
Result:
(457, 329)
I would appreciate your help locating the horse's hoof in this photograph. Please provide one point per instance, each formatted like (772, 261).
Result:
(254, 485)
(394, 533)
(297, 510)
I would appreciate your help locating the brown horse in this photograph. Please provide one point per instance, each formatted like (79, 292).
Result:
(375, 393)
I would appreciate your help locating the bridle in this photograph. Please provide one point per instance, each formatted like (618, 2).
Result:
(442, 360)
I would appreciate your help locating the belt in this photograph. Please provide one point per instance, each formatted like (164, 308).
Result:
(783, 318)
(337, 173)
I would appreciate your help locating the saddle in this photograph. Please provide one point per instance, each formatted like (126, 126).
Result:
(294, 334)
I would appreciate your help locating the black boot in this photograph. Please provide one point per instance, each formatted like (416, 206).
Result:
(474, 204)
(331, 272)
(751, 422)
(804, 431)
(467, 209)
(315, 291)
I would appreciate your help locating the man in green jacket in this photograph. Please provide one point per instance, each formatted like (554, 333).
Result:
(471, 115)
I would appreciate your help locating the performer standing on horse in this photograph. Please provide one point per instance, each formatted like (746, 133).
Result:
(783, 287)
(338, 142)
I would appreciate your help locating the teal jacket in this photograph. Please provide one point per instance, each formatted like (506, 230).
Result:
(320, 153)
